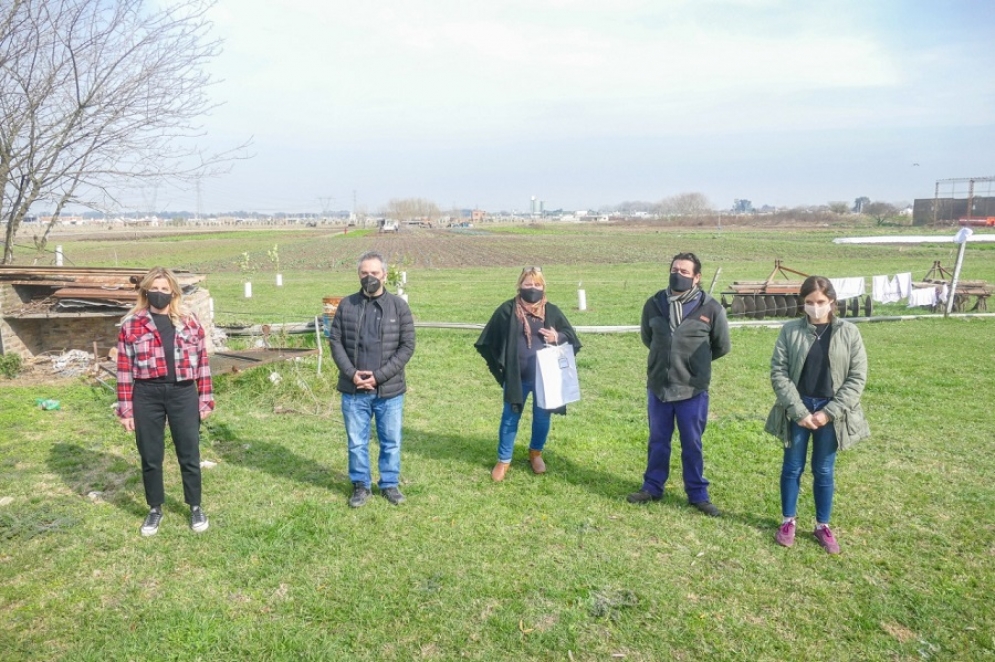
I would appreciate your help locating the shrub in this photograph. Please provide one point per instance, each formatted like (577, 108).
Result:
(10, 365)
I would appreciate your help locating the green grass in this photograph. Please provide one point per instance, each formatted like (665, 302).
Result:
(546, 568)
(528, 569)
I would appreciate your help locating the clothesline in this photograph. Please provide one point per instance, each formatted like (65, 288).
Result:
(886, 289)
(892, 290)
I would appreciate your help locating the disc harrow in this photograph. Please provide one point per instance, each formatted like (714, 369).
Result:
(760, 299)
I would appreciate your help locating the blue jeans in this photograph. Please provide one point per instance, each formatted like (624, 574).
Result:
(690, 417)
(357, 412)
(541, 420)
(823, 463)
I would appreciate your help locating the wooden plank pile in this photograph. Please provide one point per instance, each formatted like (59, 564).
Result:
(77, 290)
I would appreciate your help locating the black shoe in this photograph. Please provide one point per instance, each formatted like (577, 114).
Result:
(707, 507)
(642, 496)
(360, 493)
(150, 526)
(393, 495)
(198, 520)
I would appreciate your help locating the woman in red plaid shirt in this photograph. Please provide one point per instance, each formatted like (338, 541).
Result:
(163, 375)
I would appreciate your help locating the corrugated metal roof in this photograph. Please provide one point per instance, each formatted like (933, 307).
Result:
(78, 290)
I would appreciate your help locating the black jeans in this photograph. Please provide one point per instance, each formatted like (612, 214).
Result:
(155, 403)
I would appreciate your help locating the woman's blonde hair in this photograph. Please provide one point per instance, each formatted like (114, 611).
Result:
(536, 273)
(175, 310)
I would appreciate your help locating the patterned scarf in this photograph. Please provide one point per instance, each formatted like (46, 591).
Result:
(677, 305)
(537, 310)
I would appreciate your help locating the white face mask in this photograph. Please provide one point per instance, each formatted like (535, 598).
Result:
(817, 312)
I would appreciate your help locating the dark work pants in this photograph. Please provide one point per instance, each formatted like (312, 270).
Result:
(155, 403)
(691, 415)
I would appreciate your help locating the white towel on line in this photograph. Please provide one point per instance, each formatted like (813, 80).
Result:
(922, 296)
(847, 288)
(885, 290)
(904, 283)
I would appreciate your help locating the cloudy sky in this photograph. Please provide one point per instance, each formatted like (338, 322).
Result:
(587, 103)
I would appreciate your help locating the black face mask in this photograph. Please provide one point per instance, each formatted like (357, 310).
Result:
(531, 294)
(680, 282)
(370, 284)
(159, 300)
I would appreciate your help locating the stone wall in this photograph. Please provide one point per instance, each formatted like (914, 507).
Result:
(55, 335)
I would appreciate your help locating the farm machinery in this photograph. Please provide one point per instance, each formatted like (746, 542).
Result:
(978, 222)
(779, 298)
(774, 297)
(939, 277)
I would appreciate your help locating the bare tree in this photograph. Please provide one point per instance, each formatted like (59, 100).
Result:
(408, 209)
(839, 207)
(96, 96)
(880, 211)
(685, 204)
(632, 206)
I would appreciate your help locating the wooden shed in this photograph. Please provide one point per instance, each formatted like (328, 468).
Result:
(50, 310)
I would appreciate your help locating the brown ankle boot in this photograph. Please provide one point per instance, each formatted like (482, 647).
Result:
(500, 469)
(535, 459)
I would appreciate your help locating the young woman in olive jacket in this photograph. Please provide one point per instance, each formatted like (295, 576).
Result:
(818, 371)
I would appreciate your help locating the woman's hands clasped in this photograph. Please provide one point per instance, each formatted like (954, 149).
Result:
(550, 336)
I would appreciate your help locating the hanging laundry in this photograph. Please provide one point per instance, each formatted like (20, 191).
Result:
(922, 296)
(885, 290)
(904, 284)
(847, 288)
(944, 293)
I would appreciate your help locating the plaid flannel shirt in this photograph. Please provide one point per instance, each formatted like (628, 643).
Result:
(140, 356)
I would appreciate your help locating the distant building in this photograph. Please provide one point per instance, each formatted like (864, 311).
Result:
(537, 208)
(955, 200)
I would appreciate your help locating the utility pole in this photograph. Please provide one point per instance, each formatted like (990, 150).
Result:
(962, 236)
(360, 221)
(326, 206)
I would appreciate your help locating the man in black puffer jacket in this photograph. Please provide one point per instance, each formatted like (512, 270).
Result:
(372, 338)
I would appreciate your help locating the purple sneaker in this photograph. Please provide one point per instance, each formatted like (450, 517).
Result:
(826, 538)
(786, 534)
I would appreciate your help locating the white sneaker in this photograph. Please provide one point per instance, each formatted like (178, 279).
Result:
(198, 520)
(150, 526)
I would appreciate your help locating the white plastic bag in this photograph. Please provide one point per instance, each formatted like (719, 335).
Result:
(556, 377)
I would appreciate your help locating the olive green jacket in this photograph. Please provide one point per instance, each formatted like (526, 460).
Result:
(848, 367)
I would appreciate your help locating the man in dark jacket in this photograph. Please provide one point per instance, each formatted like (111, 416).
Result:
(685, 330)
(373, 338)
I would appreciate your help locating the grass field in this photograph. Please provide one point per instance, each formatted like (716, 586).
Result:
(556, 567)
(454, 277)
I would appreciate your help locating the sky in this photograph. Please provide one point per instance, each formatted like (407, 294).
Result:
(585, 104)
